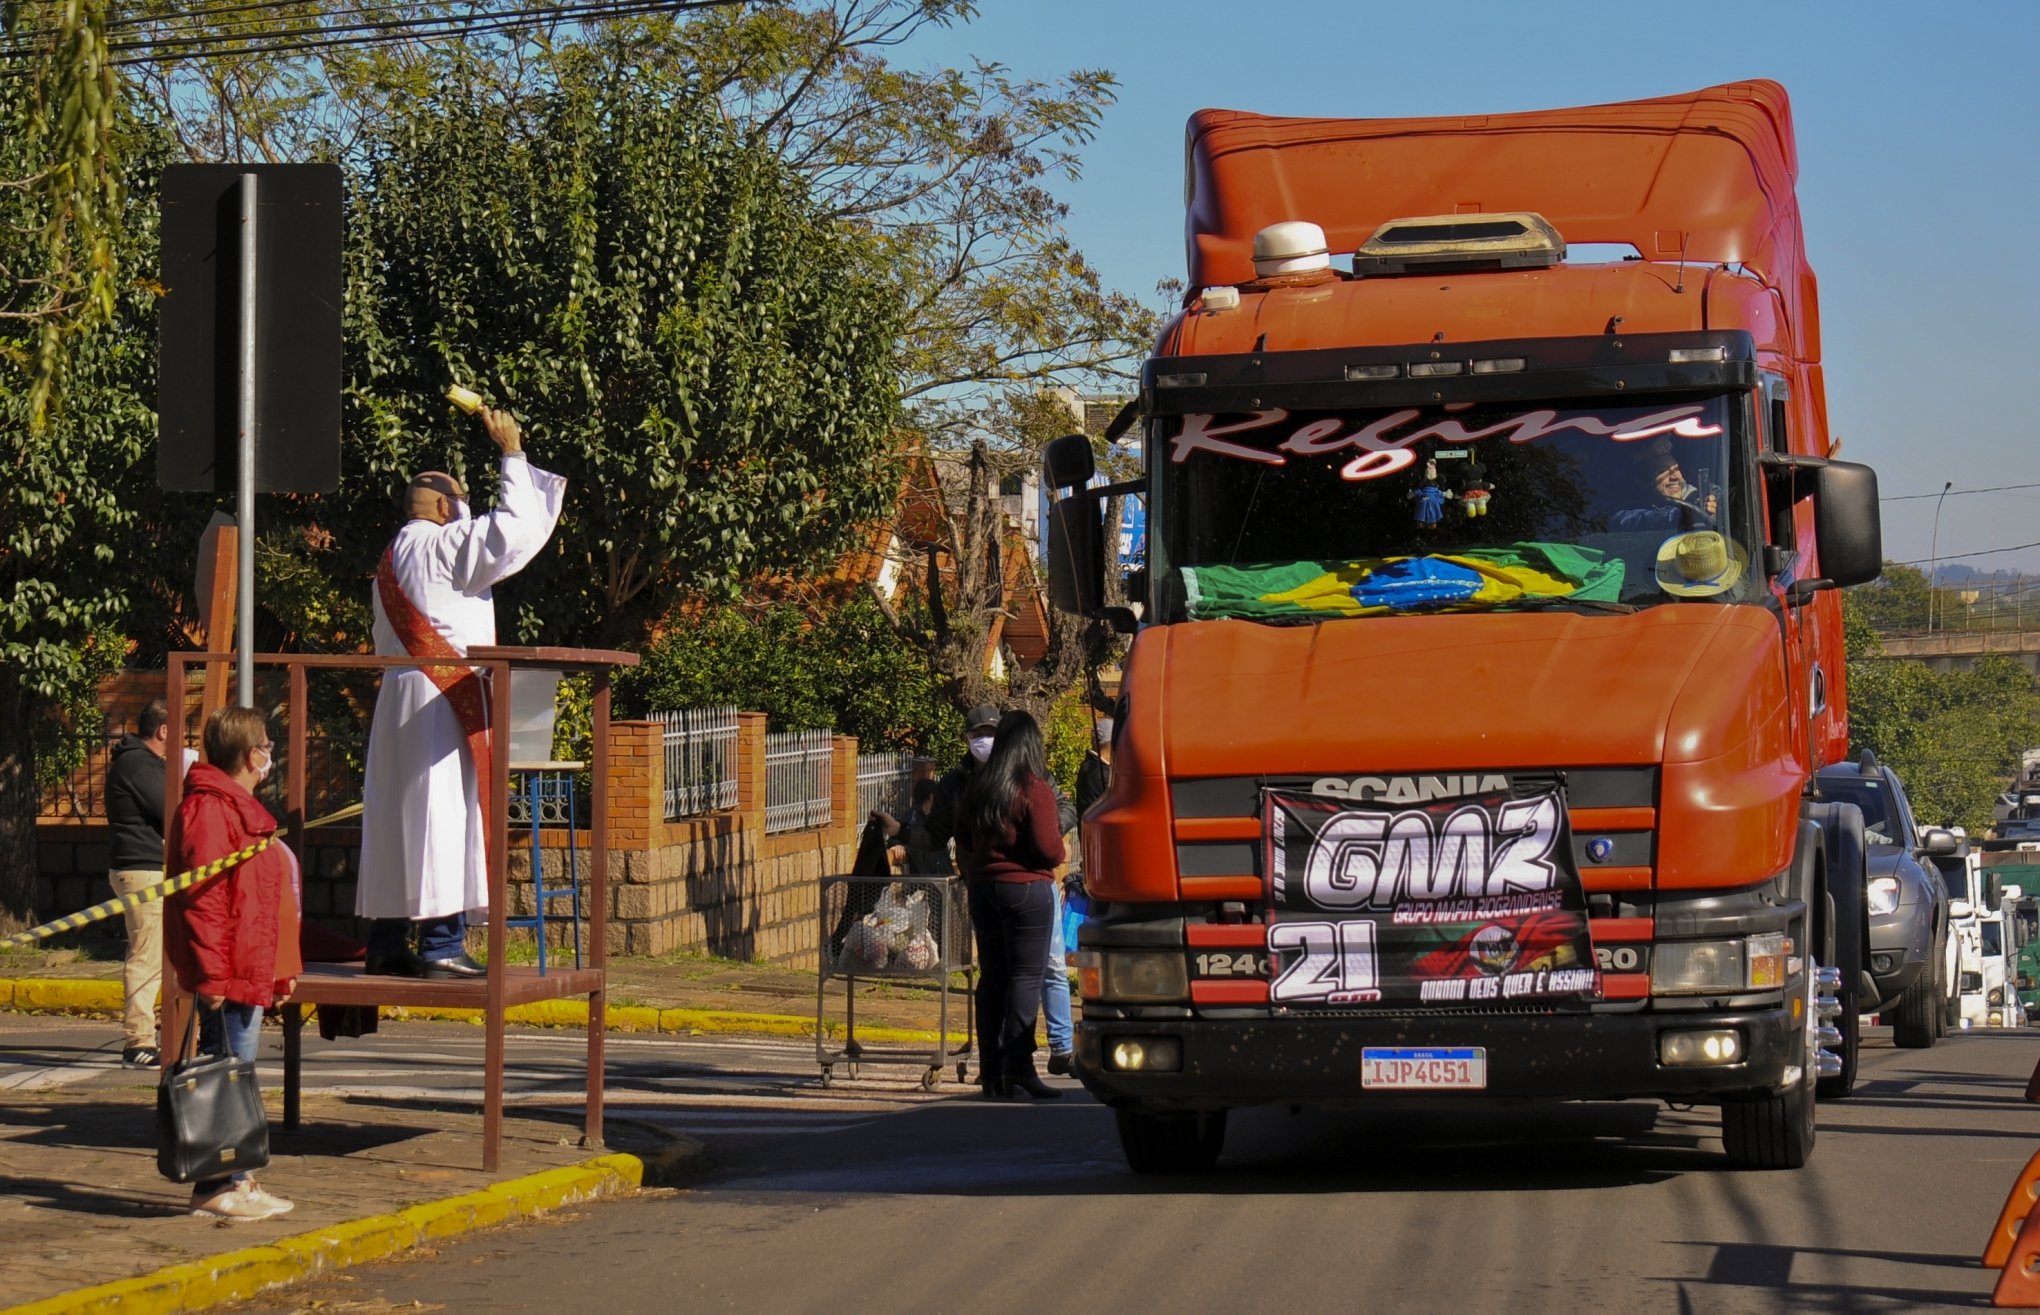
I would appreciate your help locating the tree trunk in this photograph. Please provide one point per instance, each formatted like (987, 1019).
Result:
(17, 811)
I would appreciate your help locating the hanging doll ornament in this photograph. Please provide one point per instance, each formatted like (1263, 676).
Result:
(1473, 497)
(1430, 499)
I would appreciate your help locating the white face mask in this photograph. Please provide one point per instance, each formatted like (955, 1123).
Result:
(268, 765)
(981, 747)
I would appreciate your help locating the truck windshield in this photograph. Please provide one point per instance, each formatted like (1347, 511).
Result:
(1282, 515)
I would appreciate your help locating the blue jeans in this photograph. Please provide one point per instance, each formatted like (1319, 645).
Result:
(232, 1029)
(1055, 985)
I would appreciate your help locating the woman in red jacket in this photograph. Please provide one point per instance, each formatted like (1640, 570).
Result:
(1013, 836)
(232, 941)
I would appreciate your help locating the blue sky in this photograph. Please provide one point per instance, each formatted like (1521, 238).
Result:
(1919, 144)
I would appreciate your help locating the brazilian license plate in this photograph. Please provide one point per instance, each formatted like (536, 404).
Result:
(1422, 1068)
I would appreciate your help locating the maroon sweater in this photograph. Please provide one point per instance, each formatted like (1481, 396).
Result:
(1027, 849)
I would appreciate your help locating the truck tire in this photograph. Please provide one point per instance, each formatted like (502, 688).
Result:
(1844, 935)
(1170, 1143)
(1912, 1019)
(1777, 1132)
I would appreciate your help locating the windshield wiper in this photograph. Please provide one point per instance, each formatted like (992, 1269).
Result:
(1552, 602)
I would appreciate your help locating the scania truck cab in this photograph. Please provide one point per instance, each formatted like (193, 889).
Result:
(1488, 638)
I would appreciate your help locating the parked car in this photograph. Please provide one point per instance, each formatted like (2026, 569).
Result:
(1908, 974)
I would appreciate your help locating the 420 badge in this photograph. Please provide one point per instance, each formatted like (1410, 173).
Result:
(1473, 900)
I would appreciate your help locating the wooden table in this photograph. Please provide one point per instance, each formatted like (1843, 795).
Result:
(504, 985)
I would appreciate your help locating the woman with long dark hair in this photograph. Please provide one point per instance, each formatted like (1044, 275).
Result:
(1014, 841)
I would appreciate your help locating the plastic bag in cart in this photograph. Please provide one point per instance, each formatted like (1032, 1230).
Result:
(867, 947)
(903, 912)
(920, 952)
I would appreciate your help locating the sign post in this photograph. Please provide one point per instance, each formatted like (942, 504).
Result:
(248, 348)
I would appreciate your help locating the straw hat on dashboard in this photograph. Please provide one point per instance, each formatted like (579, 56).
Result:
(1698, 564)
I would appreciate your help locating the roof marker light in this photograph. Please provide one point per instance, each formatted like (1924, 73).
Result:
(1366, 373)
(1501, 365)
(1219, 298)
(1695, 355)
(1435, 369)
(1195, 380)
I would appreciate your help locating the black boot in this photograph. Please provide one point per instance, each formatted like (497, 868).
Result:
(1028, 1081)
(994, 1087)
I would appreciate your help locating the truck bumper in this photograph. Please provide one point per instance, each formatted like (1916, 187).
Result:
(1230, 1063)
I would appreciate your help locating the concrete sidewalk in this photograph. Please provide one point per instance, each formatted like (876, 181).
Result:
(81, 1203)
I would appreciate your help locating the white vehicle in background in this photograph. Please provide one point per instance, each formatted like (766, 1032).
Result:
(1989, 998)
(1962, 874)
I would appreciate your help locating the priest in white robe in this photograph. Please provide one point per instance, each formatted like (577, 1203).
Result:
(423, 847)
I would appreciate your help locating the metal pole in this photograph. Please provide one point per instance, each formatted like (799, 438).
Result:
(1934, 555)
(244, 492)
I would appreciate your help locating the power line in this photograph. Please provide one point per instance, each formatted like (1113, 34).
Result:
(1956, 493)
(479, 20)
(1957, 556)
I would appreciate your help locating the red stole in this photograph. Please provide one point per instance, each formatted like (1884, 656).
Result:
(462, 685)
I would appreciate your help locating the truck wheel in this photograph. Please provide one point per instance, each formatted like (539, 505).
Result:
(1777, 1131)
(1912, 1019)
(1170, 1143)
(1844, 932)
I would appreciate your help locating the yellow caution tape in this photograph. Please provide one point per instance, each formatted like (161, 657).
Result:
(135, 899)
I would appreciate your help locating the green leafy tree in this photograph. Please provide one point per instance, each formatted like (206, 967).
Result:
(709, 360)
(78, 509)
(1896, 602)
(1953, 738)
(845, 669)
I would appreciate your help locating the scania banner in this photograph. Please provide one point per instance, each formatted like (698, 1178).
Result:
(1453, 901)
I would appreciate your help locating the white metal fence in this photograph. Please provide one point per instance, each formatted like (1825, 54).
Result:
(886, 780)
(799, 766)
(701, 760)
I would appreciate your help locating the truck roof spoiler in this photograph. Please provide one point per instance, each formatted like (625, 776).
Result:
(1705, 177)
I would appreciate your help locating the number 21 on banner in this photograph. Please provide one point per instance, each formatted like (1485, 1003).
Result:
(1337, 962)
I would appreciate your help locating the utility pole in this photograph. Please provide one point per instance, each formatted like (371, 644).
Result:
(1934, 555)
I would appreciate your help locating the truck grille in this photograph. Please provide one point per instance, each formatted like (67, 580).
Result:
(1218, 823)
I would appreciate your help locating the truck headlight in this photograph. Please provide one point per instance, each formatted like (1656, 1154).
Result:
(1139, 976)
(1883, 895)
(1696, 968)
(1753, 963)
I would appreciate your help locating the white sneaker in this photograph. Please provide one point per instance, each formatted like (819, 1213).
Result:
(234, 1204)
(277, 1205)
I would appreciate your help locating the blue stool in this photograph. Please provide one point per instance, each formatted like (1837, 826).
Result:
(547, 790)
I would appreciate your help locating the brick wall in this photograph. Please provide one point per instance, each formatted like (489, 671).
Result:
(713, 885)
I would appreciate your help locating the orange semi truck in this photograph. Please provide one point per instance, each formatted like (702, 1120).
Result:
(1488, 639)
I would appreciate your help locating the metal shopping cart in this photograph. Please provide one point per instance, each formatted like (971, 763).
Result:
(895, 929)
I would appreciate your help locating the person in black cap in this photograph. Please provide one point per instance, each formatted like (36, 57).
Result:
(979, 728)
(1666, 500)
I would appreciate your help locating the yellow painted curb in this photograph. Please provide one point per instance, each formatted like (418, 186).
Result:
(93, 996)
(64, 995)
(238, 1275)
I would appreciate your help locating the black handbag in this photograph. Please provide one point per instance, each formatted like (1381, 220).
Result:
(209, 1119)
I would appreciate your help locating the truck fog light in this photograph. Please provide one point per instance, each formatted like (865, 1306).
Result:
(1144, 976)
(1700, 1049)
(1697, 968)
(1993, 1019)
(1146, 1054)
(1883, 963)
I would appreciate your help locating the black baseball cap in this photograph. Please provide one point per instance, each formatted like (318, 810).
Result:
(983, 717)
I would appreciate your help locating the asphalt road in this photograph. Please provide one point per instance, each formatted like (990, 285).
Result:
(958, 1205)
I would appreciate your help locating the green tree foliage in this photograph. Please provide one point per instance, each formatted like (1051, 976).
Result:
(63, 172)
(709, 360)
(78, 509)
(1895, 603)
(846, 670)
(1953, 738)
